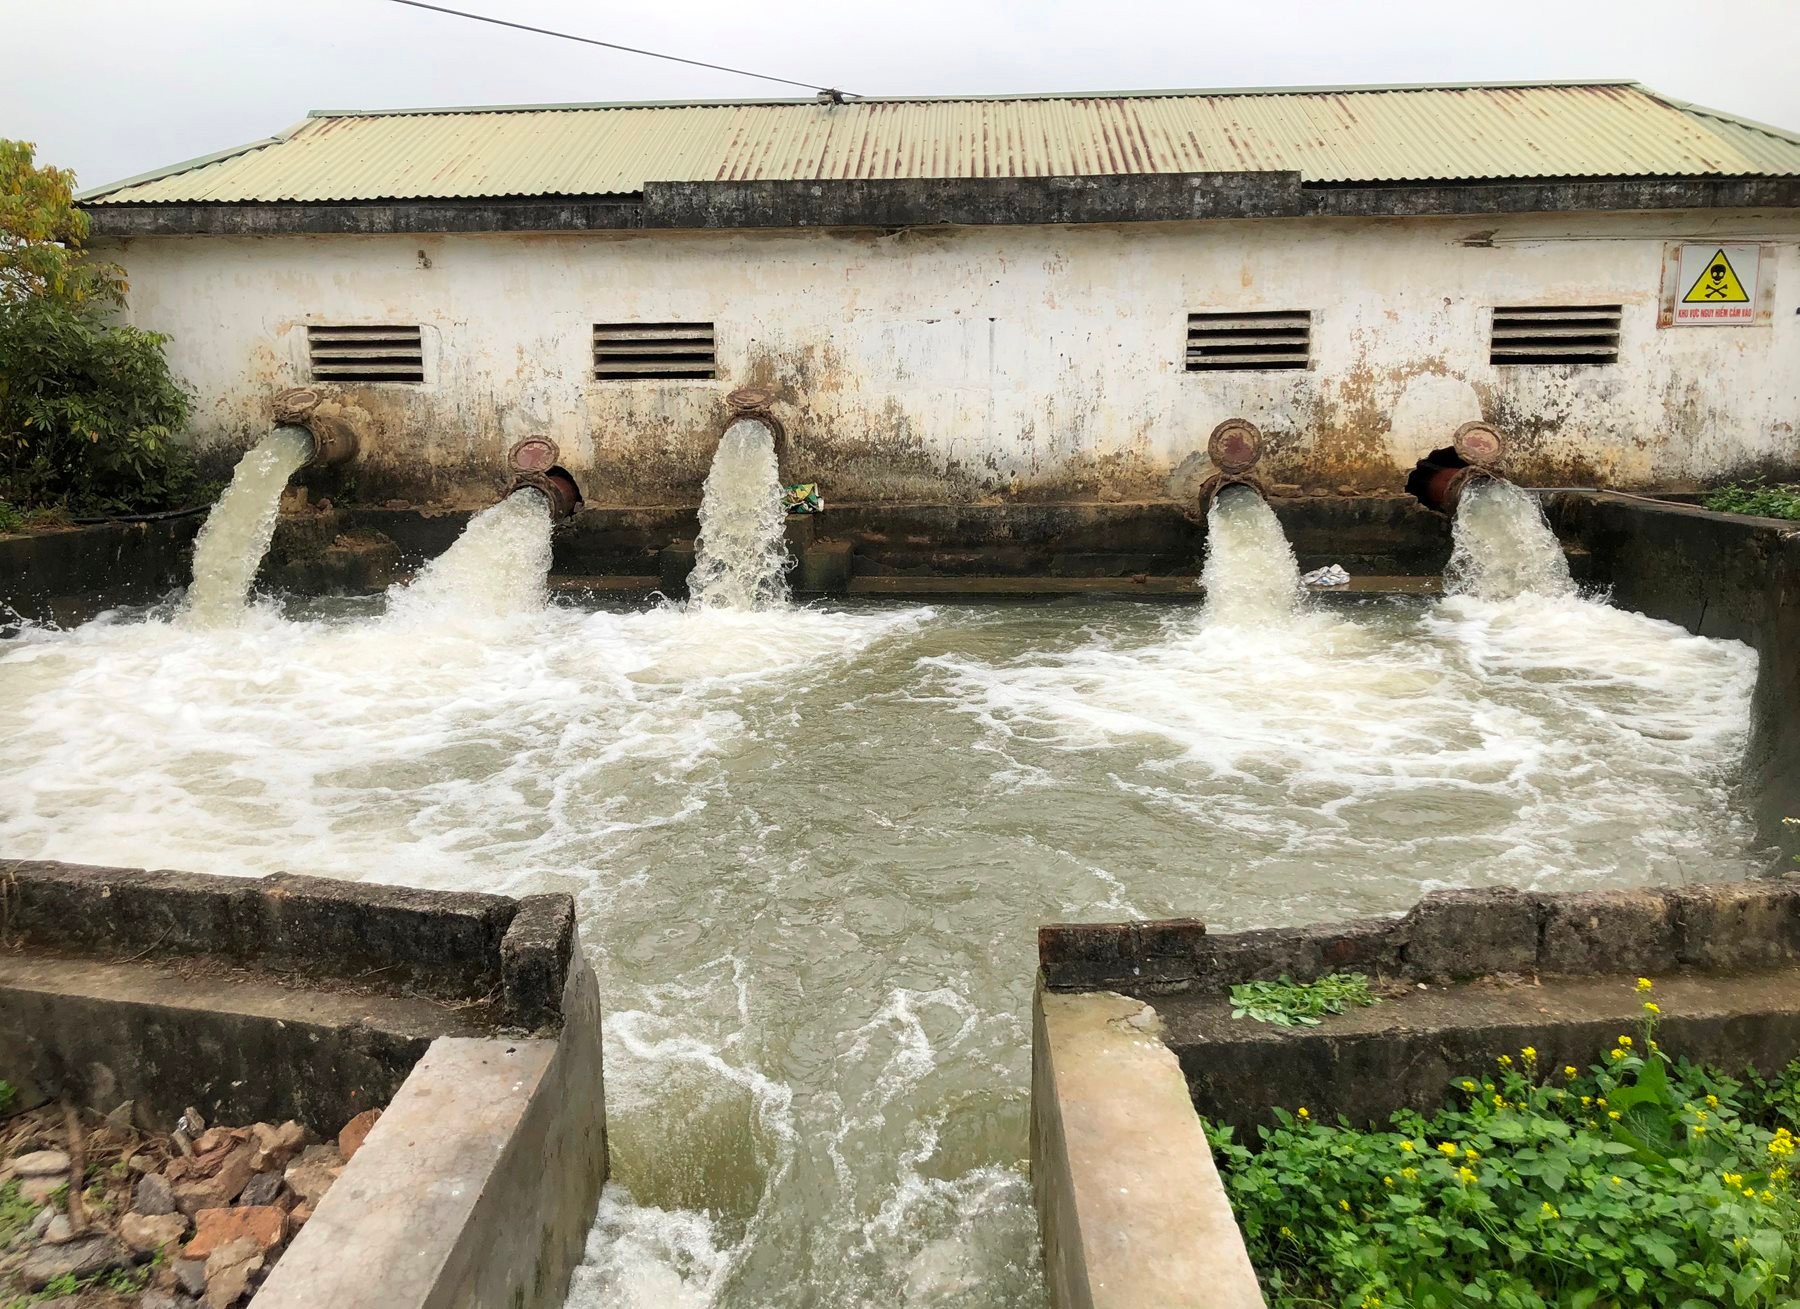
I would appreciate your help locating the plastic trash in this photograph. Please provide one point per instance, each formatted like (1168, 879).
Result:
(1329, 575)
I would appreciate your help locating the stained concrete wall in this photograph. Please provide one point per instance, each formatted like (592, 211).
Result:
(952, 363)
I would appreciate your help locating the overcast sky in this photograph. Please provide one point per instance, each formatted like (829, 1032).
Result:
(111, 88)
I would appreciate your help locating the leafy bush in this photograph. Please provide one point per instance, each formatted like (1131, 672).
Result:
(1641, 1181)
(1288, 1003)
(88, 410)
(1779, 501)
(88, 413)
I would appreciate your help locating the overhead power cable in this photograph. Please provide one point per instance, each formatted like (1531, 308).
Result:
(825, 92)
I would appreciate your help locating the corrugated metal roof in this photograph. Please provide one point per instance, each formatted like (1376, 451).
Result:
(1345, 134)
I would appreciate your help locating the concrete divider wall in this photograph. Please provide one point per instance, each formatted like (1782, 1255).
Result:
(1448, 934)
(474, 1019)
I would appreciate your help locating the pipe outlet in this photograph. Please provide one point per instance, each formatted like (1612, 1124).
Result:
(334, 436)
(557, 487)
(1439, 480)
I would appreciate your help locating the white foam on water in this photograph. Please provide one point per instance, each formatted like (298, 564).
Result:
(1502, 547)
(236, 534)
(741, 559)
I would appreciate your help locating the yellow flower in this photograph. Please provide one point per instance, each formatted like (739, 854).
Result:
(1410, 1174)
(1614, 1115)
(1469, 1086)
(1782, 1146)
(1618, 1181)
(1530, 1054)
(1700, 1115)
(1469, 1152)
(1302, 1114)
(1371, 1301)
(1505, 1061)
(1778, 1174)
(1287, 1231)
(1569, 1070)
(1699, 1129)
(1387, 1181)
(1344, 1205)
(1448, 1150)
(1499, 1102)
(1466, 1173)
(1651, 1007)
(1712, 1102)
(1601, 1102)
(1652, 1046)
(1733, 1179)
(1616, 1055)
(1625, 1041)
(1750, 1192)
(1406, 1147)
(1586, 1100)
(1549, 1210)
(1644, 984)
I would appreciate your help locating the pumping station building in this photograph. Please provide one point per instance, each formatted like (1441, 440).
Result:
(1043, 297)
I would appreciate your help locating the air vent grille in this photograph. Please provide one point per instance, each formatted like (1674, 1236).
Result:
(670, 351)
(1249, 342)
(385, 353)
(1556, 334)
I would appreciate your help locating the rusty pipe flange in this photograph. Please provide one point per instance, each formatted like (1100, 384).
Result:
(295, 405)
(1479, 445)
(334, 438)
(533, 454)
(750, 401)
(1235, 446)
(557, 488)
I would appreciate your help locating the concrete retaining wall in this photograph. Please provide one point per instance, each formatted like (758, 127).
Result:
(68, 576)
(474, 1018)
(1447, 935)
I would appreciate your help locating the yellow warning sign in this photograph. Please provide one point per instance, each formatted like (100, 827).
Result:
(1717, 284)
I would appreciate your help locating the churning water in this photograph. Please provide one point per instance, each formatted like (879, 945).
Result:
(810, 845)
(740, 559)
(1501, 546)
(236, 534)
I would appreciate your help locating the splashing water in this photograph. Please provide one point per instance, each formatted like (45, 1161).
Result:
(1502, 546)
(498, 566)
(236, 536)
(1250, 574)
(741, 558)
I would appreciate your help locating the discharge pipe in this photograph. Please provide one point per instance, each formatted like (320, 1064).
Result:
(1439, 479)
(334, 436)
(1235, 447)
(533, 463)
(754, 403)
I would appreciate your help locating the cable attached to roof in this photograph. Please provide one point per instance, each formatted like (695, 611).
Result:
(828, 94)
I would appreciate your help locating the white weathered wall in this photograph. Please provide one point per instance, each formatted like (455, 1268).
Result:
(933, 364)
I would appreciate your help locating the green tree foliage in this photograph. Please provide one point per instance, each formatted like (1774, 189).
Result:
(88, 410)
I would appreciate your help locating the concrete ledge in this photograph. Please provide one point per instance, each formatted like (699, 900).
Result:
(477, 1186)
(1447, 935)
(69, 575)
(1131, 1208)
(474, 1019)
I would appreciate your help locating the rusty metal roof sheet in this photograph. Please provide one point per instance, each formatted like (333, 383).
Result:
(1343, 134)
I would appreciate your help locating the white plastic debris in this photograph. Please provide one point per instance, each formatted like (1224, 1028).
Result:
(1329, 575)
